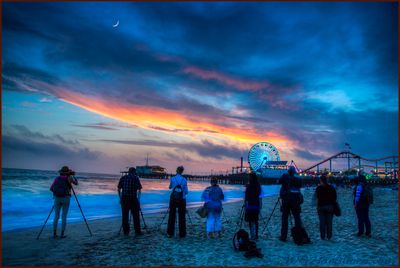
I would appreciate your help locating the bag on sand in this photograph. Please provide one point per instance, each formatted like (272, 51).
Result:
(202, 211)
(241, 242)
(300, 236)
(336, 210)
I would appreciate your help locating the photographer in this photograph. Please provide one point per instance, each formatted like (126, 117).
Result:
(61, 189)
(291, 200)
(128, 187)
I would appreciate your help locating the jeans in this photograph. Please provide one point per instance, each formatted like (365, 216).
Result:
(253, 226)
(286, 208)
(325, 214)
(130, 204)
(61, 203)
(363, 219)
(172, 216)
(214, 223)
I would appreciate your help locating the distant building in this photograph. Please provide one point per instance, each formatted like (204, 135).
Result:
(150, 170)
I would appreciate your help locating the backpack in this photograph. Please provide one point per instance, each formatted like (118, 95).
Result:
(300, 236)
(367, 194)
(177, 194)
(60, 187)
(241, 240)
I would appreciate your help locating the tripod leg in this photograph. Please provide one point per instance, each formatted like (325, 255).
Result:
(45, 222)
(83, 215)
(240, 217)
(190, 219)
(144, 223)
(165, 215)
(270, 216)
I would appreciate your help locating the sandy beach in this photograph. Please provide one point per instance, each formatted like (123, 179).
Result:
(106, 247)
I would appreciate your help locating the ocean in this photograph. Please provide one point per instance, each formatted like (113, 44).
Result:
(27, 199)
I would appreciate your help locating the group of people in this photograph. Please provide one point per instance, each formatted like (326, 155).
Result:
(129, 190)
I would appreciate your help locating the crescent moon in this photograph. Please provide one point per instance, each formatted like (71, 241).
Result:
(116, 24)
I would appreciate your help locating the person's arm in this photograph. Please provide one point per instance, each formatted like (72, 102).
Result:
(204, 195)
(52, 185)
(358, 195)
(334, 196)
(170, 183)
(222, 195)
(185, 188)
(119, 188)
(72, 180)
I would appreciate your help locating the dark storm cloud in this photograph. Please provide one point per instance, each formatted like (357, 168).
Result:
(205, 148)
(44, 149)
(104, 126)
(22, 140)
(24, 132)
(304, 154)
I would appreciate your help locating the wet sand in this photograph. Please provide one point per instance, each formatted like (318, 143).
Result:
(107, 248)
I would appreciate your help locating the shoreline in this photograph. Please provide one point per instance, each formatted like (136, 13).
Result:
(107, 248)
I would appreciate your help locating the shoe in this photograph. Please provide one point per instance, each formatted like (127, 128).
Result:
(62, 235)
(368, 235)
(55, 234)
(359, 234)
(169, 236)
(282, 239)
(139, 233)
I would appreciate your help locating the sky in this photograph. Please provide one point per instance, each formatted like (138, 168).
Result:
(196, 84)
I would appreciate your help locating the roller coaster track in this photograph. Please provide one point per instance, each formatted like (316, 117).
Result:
(348, 154)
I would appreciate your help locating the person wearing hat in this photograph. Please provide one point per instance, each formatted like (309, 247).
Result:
(291, 200)
(128, 188)
(61, 189)
(179, 187)
(213, 197)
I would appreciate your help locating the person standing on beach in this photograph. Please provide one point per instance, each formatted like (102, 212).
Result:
(128, 188)
(253, 201)
(179, 187)
(213, 197)
(362, 200)
(61, 189)
(326, 199)
(291, 200)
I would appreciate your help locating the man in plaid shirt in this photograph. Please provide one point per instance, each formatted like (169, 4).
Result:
(128, 187)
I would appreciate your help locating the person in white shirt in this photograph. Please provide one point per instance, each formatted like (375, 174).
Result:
(179, 187)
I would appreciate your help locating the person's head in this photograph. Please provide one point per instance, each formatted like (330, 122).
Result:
(65, 171)
(180, 170)
(253, 179)
(323, 179)
(214, 181)
(132, 170)
(292, 170)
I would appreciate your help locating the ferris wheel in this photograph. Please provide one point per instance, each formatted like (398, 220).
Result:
(260, 153)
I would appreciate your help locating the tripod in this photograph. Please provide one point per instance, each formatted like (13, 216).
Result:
(129, 221)
(272, 213)
(241, 217)
(79, 205)
(176, 219)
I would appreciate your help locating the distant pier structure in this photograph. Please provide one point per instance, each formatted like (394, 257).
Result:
(264, 159)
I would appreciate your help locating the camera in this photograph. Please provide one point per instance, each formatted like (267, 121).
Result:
(71, 173)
